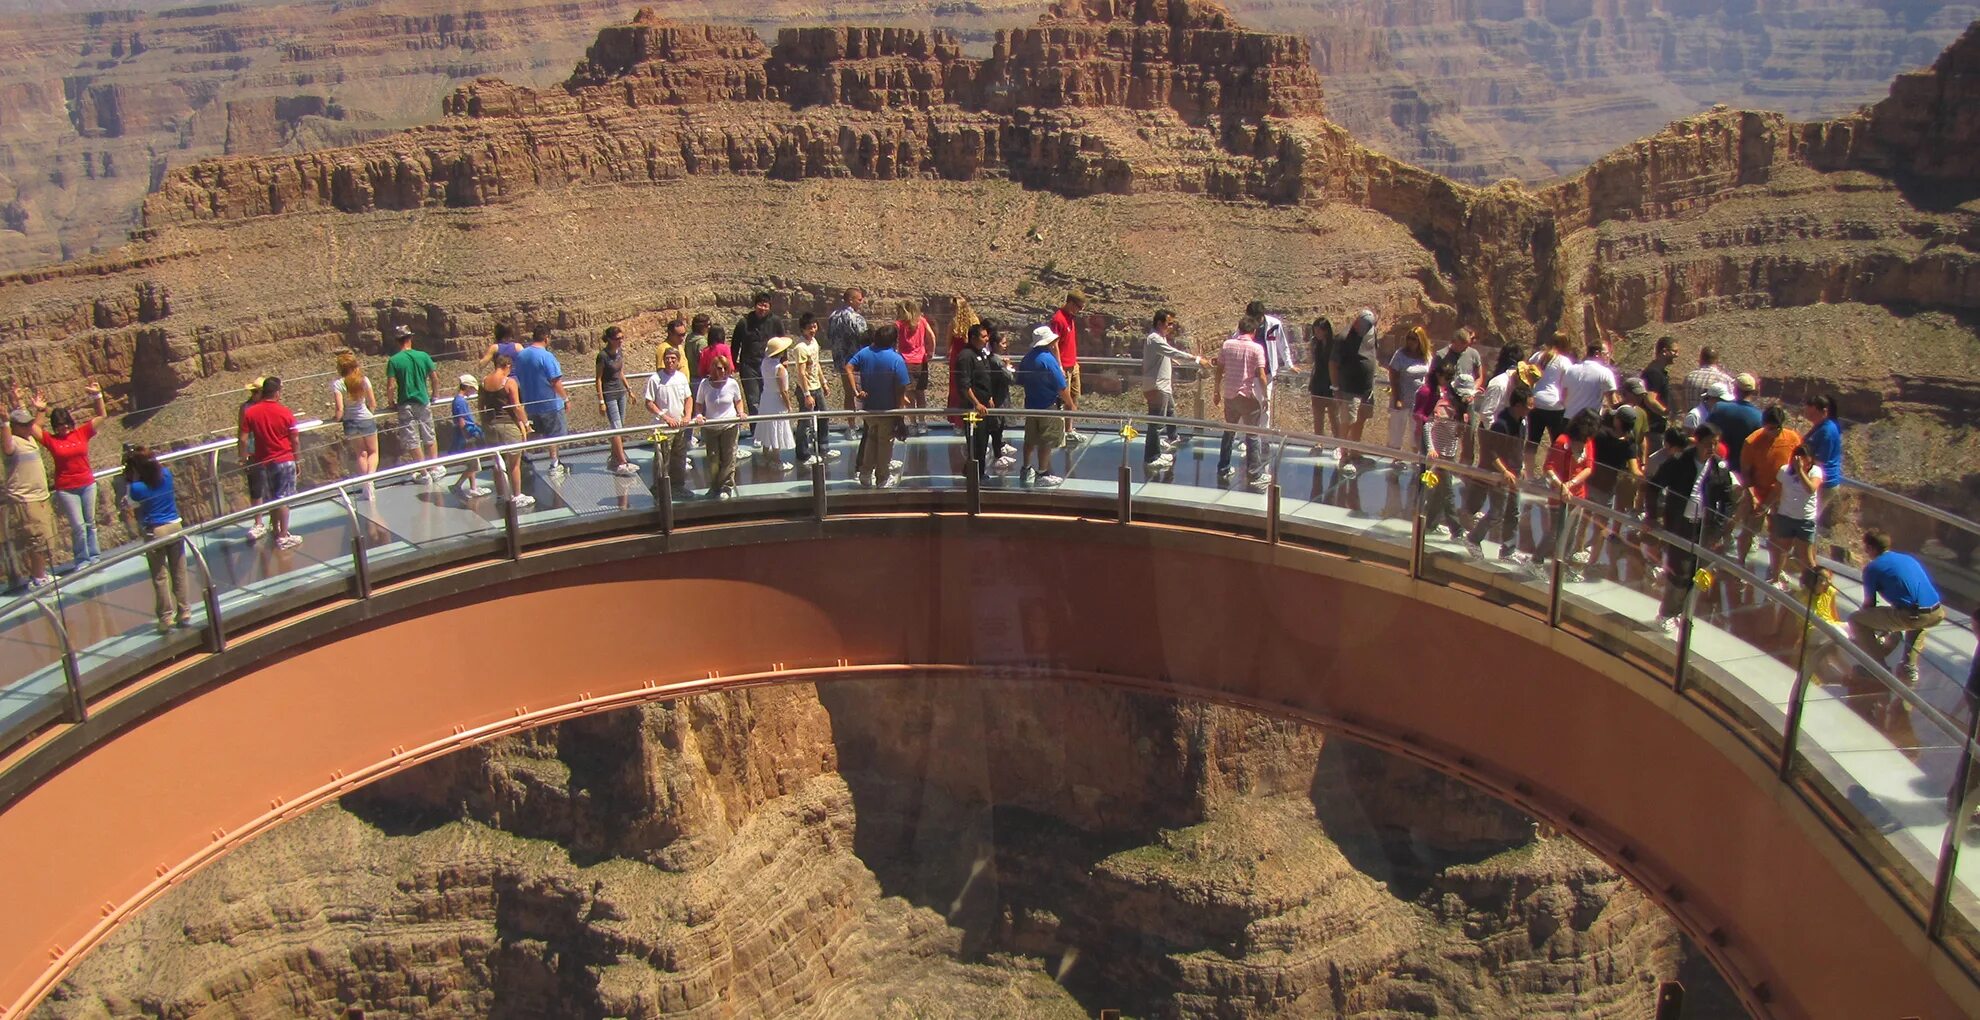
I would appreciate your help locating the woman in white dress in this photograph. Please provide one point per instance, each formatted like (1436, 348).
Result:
(774, 437)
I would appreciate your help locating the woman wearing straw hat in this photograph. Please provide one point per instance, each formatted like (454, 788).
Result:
(774, 437)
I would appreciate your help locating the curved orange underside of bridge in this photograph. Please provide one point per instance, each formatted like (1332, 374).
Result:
(1561, 728)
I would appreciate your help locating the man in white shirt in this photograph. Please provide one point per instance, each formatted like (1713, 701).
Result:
(1587, 384)
(1278, 349)
(672, 403)
(1158, 358)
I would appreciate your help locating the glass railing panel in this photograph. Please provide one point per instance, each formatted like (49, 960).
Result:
(1747, 649)
(249, 571)
(115, 619)
(1943, 543)
(1195, 472)
(31, 663)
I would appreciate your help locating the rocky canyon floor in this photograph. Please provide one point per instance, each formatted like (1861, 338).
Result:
(904, 849)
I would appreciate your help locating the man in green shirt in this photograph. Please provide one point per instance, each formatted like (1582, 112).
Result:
(409, 385)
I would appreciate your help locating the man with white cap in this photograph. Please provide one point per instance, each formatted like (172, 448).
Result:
(1699, 415)
(1045, 388)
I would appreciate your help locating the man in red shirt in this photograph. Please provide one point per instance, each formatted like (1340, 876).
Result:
(1065, 324)
(268, 446)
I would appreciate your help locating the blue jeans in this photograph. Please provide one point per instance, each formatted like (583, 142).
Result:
(1161, 405)
(1243, 411)
(78, 507)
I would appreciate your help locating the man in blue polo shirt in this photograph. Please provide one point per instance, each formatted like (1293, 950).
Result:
(1911, 604)
(877, 377)
(540, 381)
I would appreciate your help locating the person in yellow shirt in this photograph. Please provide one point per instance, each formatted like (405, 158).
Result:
(806, 368)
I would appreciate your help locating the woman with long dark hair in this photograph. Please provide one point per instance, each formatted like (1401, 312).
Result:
(155, 504)
(67, 440)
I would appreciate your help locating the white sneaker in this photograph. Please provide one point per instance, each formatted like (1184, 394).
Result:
(257, 531)
(1579, 558)
(524, 502)
(1522, 560)
(288, 541)
(1669, 625)
(894, 466)
(473, 491)
(1047, 481)
(1004, 463)
(1074, 438)
(1007, 452)
(40, 582)
(1349, 471)
(1261, 485)
(893, 482)
(1030, 476)
(626, 468)
(811, 462)
(1162, 463)
(833, 454)
(559, 469)
(1170, 445)
(726, 494)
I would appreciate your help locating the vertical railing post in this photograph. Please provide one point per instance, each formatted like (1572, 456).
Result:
(218, 497)
(1803, 674)
(1681, 672)
(819, 506)
(75, 709)
(505, 491)
(1563, 518)
(972, 482)
(1272, 512)
(360, 564)
(216, 628)
(1418, 509)
(663, 476)
(1963, 794)
(1123, 485)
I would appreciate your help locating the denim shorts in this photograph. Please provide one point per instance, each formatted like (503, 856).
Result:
(615, 410)
(546, 424)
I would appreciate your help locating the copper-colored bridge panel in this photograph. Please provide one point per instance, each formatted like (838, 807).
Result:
(1570, 733)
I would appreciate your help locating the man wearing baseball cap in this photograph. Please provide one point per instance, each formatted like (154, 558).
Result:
(29, 515)
(1045, 388)
(409, 386)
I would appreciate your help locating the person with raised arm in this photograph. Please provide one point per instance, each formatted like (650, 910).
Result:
(67, 440)
(28, 512)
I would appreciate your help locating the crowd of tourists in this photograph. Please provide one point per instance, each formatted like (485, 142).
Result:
(1691, 451)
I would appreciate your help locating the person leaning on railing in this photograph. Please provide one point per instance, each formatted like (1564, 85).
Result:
(154, 501)
(27, 493)
(1912, 605)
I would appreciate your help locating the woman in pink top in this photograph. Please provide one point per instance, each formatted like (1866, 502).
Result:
(67, 441)
(916, 339)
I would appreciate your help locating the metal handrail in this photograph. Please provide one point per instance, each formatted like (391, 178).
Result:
(339, 492)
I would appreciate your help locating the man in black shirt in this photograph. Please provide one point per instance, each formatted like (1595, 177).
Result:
(1657, 384)
(976, 381)
(1693, 496)
(752, 335)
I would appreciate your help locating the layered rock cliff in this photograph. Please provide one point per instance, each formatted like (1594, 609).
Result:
(900, 849)
(1154, 153)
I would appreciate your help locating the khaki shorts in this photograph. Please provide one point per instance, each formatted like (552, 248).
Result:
(34, 525)
(1044, 433)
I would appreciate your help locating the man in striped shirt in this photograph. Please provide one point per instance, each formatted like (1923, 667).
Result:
(1241, 387)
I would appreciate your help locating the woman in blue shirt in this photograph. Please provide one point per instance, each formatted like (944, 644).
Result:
(152, 499)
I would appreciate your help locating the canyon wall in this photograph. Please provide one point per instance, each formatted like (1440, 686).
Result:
(891, 849)
(1113, 146)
